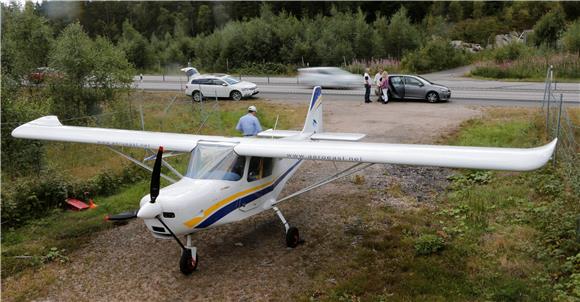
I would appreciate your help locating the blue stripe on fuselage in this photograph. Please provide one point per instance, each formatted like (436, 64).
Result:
(242, 201)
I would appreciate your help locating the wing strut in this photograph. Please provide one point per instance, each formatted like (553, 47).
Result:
(346, 172)
(140, 164)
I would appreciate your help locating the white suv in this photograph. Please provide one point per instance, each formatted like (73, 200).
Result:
(221, 86)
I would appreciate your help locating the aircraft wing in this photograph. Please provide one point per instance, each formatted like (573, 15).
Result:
(513, 159)
(50, 128)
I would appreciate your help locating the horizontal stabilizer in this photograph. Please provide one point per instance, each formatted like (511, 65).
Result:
(336, 136)
(271, 133)
(324, 136)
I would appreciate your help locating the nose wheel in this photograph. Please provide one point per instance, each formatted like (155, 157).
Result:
(189, 258)
(188, 262)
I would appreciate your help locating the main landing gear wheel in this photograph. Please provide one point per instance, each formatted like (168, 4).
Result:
(187, 263)
(292, 237)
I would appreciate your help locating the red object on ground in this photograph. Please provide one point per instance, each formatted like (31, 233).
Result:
(76, 205)
(92, 204)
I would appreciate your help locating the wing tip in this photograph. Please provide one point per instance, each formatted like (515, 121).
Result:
(45, 121)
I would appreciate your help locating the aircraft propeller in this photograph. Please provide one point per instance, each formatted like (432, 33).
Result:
(150, 209)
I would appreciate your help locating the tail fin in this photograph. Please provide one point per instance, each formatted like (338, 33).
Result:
(313, 123)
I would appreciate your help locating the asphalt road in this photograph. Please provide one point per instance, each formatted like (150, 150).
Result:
(463, 90)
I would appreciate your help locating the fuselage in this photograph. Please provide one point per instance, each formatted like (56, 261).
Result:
(191, 205)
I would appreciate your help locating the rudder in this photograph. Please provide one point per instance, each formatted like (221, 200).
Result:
(313, 123)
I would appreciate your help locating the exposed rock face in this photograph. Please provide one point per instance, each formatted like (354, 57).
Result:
(514, 36)
(471, 47)
(500, 41)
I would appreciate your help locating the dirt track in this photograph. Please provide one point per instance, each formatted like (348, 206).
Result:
(248, 261)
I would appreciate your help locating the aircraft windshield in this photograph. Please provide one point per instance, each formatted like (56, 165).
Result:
(215, 162)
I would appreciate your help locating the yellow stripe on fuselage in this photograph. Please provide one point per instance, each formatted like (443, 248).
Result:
(196, 220)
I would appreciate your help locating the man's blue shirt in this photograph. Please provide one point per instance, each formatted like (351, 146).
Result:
(249, 125)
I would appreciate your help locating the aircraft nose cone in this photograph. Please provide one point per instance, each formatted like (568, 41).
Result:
(149, 210)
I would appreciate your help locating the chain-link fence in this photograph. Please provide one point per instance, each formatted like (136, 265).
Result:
(562, 118)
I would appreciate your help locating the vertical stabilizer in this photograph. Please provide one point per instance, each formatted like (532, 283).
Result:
(313, 123)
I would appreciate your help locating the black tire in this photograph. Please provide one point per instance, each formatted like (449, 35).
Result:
(292, 237)
(187, 264)
(236, 95)
(432, 97)
(196, 96)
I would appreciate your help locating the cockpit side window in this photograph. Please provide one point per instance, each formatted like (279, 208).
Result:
(260, 167)
(215, 162)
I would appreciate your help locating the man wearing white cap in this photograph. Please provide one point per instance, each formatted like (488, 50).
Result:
(249, 124)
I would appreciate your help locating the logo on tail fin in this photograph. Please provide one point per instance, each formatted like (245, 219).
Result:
(316, 98)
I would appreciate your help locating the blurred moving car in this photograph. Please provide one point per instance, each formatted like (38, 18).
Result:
(219, 85)
(41, 74)
(329, 77)
(403, 86)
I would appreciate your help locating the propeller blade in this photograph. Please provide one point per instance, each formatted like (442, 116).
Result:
(122, 216)
(156, 176)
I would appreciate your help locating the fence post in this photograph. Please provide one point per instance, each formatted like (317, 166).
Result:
(558, 128)
(551, 77)
(548, 112)
(546, 85)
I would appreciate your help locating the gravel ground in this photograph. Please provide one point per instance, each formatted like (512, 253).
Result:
(248, 261)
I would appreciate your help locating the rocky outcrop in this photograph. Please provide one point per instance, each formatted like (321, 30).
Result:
(471, 47)
(512, 37)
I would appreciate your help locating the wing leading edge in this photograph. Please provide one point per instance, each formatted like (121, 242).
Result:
(512, 159)
(50, 128)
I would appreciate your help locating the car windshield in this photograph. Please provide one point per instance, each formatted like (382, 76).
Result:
(230, 80)
(422, 78)
(210, 161)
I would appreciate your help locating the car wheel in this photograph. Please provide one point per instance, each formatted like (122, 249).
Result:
(432, 97)
(196, 96)
(236, 95)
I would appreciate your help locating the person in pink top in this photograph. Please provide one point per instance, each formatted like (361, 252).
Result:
(385, 86)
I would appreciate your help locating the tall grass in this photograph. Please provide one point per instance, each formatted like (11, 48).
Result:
(531, 67)
(357, 66)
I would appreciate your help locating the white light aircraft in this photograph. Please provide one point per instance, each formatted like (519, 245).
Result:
(229, 179)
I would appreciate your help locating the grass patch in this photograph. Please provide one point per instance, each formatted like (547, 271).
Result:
(506, 236)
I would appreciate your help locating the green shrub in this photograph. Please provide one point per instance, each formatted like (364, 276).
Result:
(571, 37)
(438, 54)
(510, 52)
(479, 30)
(29, 198)
(428, 244)
(549, 28)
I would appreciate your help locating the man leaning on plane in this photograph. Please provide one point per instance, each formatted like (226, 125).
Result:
(249, 124)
